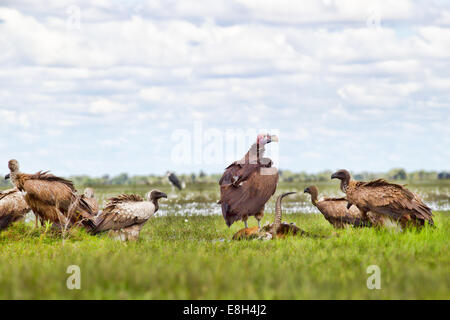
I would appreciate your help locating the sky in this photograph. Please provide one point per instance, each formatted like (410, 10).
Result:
(143, 87)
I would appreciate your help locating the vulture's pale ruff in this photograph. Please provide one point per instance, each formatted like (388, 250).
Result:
(13, 207)
(125, 215)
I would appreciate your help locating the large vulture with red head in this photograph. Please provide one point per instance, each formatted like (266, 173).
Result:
(335, 210)
(51, 198)
(385, 200)
(248, 184)
(12, 207)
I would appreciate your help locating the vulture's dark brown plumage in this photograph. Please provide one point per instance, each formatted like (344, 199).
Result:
(385, 200)
(248, 184)
(335, 210)
(52, 198)
(13, 207)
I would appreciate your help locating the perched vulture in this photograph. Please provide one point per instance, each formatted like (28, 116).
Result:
(248, 184)
(336, 212)
(125, 215)
(12, 207)
(173, 179)
(278, 229)
(51, 198)
(89, 197)
(385, 201)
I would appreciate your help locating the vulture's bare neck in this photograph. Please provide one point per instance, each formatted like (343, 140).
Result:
(344, 185)
(254, 155)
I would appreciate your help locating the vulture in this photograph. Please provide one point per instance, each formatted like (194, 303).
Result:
(336, 212)
(386, 202)
(278, 229)
(125, 215)
(89, 197)
(248, 184)
(12, 207)
(174, 181)
(51, 198)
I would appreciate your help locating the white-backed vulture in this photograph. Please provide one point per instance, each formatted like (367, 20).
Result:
(278, 229)
(125, 215)
(13, 207)
(248, 184)
(51, 198)
(335, 210)
(385, 201)
(89, 197)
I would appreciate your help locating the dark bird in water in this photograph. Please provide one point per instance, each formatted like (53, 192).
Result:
(51, 198)
(386, 202)
(13, 207)
(278, 229)
(125, 215)
(336, 212)
(173, 179)
(248, 184)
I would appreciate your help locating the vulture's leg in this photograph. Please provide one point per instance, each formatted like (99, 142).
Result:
(246, 224)
(259, 217)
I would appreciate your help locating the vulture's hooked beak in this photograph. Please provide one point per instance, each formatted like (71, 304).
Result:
(306, 190)
(163, 195)
(349, 205)
(8, 176)
(334, 176)
(274, 138)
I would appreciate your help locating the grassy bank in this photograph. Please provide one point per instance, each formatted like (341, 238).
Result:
(193, 258)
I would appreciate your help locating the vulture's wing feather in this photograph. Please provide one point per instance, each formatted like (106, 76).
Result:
(336, 212)
(249, 197)
(124, 211)
(393, 200)
(49, 189)
(12, 207)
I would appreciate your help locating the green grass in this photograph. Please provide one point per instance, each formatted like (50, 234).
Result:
(192, 257)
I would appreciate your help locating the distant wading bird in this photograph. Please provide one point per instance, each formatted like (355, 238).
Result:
(13, 207)
(388, 202)
(125, 215)
(335, 210)
(174, 181)
(51, 198)
(278, 229)
(248, 184)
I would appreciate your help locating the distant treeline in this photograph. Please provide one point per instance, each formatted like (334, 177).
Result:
(285, 176)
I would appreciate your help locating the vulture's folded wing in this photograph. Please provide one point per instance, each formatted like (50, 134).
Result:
(249, 197)
(123, 211)
(393, 200)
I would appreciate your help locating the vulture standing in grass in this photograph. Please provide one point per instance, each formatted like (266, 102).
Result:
(336, 212)
(125, 215)
(248, 184)
(89, 197)
(389, 202)
(13, 207)
(278, 229)
(174, 181)
(51, 198)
